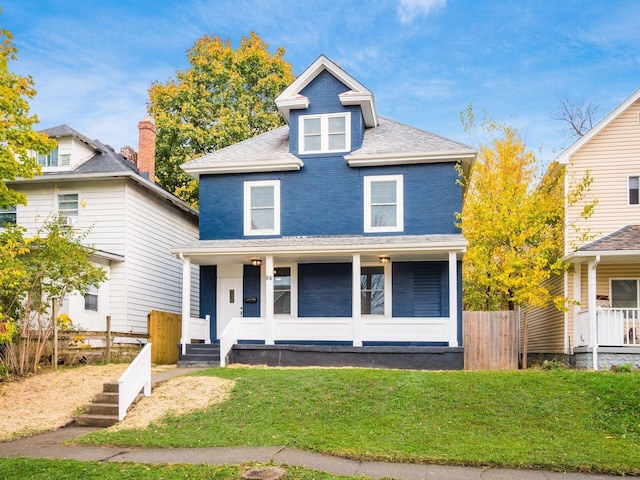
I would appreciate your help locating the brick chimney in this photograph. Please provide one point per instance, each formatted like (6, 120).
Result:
(147, 149)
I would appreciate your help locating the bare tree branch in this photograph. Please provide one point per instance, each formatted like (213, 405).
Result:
(578, 118)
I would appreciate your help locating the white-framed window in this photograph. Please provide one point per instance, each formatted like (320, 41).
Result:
(324, 133)
(282, 290)
(634, 190)
(91, 299)
(68, 208)
(262, 207)
(8, 215)
(375, 289)
(49, 159)
(624, 293)
(384, 203)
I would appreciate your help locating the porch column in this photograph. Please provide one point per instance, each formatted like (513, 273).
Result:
(186, 302)
(577, 296)
(453, 300)
(355, 301)
(593, 317)
(269, 296)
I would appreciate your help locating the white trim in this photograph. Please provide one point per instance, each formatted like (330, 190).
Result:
(453, 300)
(380, 159)
(399, 226)
(248, 230)
(293, 301)
(74, 219)
(386, 292)
(257, 166)
(635, 279)
(324, 132)
(356, 299)
(269, 295)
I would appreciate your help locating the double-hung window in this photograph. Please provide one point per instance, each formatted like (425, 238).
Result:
(68, 208)
(325, 133)
(91, 299)
(634, 188)
(262, 207)
(48, 159)
(624, 293)
(383, 203)
(8, 215)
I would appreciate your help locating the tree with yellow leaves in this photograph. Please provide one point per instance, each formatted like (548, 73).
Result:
(224, 97)
(514, 223)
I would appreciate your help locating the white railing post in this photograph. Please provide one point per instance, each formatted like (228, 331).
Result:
(269, 295)
(453, 300)
(356, 312)
(136, 378)
(593, 317)
(186, 302)
(208, 329)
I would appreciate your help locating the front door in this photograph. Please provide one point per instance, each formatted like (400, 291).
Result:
(229, 296)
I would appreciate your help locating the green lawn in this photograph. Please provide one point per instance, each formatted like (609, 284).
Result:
(561, 420)
(37, 469)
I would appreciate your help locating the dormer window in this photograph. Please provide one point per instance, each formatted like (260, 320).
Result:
(325, 133)
(53, 159)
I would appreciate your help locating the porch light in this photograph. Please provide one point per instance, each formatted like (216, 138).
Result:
(384, 258)
(256, 262)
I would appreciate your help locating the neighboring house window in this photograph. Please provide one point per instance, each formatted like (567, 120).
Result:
(634, 188)
(383, 204)
(8, 215)
(262, 208)
(282, 290)
(48, 160)
(325, 133)
(624, 293)
(68, 208)
(372, 290)
(91, 299)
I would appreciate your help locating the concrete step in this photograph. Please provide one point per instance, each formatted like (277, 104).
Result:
(106, 397)
(200, 357)
(111, 387)
(198, 363)
(108, 409)
(102, 421)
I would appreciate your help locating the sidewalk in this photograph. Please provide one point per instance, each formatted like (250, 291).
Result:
(49, 445)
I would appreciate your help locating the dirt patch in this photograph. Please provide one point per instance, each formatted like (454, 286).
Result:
(50, 400)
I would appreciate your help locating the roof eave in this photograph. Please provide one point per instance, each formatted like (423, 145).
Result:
(370, 160)
(253, 167)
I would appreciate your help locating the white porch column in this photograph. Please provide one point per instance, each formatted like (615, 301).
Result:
(186, 302)
(577, 296)
(453, 300)
(269, 296)
(356, 311)
(593, 318)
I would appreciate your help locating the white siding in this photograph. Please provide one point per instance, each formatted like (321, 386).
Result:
(154, 276)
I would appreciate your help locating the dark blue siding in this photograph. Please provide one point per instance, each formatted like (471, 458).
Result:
(251, 289)
(324, 290)
(208, 284)
(326, 198)
(420, 289)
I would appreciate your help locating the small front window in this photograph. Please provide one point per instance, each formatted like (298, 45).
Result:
(262, 208)
(48, 160)
(634, 188)
(624, 293)
(282, 290)
(325, 133)
(384, 209)
(8, 215)
(91, 299)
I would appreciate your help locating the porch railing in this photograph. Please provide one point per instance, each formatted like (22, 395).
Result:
(615, 327)
(136, 378)
(196, 329)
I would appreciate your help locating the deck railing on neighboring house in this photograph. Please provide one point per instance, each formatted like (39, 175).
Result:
(136, 378)
(614, 327)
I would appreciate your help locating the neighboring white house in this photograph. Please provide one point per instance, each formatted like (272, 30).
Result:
(132, 222)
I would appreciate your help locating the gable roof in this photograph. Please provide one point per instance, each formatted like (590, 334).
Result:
(627, 238)
(565, 156)
(358, 94)
(66, 131)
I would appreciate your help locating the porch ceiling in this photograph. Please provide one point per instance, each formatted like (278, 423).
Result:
(324, 249)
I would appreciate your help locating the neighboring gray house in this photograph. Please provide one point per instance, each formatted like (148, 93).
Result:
(132, 222)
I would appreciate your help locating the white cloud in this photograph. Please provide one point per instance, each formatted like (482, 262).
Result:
(409, 9)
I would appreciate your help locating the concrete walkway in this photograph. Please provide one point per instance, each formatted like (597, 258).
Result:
(50, 445)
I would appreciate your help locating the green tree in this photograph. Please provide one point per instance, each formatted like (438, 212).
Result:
(514, 223)
(17, 138)
(224, 97)
(34, 272)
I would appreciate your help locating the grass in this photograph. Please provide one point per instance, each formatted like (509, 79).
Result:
(560, 420)
(38, 469)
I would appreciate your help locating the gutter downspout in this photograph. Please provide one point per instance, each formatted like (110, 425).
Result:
(593, 317)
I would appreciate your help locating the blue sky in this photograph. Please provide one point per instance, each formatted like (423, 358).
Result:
(425, 60)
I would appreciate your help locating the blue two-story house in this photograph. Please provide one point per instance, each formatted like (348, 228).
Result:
(331, 240)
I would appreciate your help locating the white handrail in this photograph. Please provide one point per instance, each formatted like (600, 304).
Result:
(135, 378)
(228, 339)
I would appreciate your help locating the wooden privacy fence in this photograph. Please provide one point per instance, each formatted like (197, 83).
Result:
(490, 340)
(164, 333)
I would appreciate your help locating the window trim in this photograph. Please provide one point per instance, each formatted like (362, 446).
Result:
(387, 290)
(92, 292)
(293, 306)
(629, 177)
(399, 226)
(612, 279)
(47, 158)
(276, 207)
(57, 202)
(324, 132)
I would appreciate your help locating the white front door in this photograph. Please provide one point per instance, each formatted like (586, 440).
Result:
(229, 295)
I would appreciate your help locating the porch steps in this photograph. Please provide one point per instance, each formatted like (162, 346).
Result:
(200, 355)
(103, 411)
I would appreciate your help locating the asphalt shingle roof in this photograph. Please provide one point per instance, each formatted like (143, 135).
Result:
(627, 238)
(107, 162)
